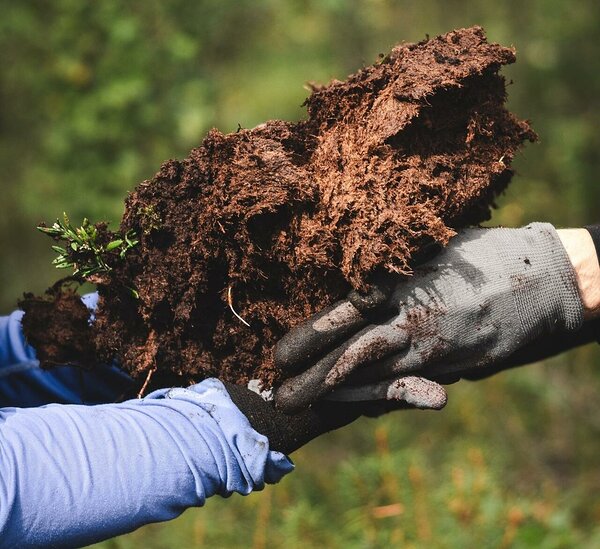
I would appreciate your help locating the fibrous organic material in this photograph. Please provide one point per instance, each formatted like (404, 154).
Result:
(257, 229)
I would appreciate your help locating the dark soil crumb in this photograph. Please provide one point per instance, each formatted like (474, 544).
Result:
(64, 339)
(283, 219)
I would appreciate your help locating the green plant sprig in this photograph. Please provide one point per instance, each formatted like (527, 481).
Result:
(84, 250)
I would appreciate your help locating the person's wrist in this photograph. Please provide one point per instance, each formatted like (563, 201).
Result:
(582, 253)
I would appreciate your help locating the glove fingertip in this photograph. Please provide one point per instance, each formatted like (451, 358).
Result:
(419, 392)
(376, 297)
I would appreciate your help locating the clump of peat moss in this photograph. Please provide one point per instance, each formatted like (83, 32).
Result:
(271, 224)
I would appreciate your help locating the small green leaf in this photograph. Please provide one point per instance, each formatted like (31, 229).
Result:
(133, 292)
(61, 263)
(112, 245)
(82, 251)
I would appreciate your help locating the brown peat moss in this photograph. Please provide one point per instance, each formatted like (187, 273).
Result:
(278, 221)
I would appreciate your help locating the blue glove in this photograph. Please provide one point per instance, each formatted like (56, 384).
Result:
(23, 383)
(73, 475)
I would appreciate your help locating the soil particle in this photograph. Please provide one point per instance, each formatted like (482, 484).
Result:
(291, 216)
(66, 338)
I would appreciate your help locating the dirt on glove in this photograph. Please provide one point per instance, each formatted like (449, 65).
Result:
(274, 223)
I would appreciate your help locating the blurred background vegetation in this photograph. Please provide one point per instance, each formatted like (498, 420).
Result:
(95, 95)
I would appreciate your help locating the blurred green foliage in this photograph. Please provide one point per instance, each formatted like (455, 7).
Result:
(95, 95)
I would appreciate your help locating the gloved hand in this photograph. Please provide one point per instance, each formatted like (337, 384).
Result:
(486, 295)
(287, 433)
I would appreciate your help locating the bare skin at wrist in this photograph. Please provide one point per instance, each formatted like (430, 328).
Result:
(581, 251)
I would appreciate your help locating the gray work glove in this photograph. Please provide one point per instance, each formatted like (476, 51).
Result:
(486, 295)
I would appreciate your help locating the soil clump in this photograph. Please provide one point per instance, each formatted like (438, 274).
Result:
(278, 221)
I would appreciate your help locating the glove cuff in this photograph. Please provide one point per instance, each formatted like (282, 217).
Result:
(543, 281)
